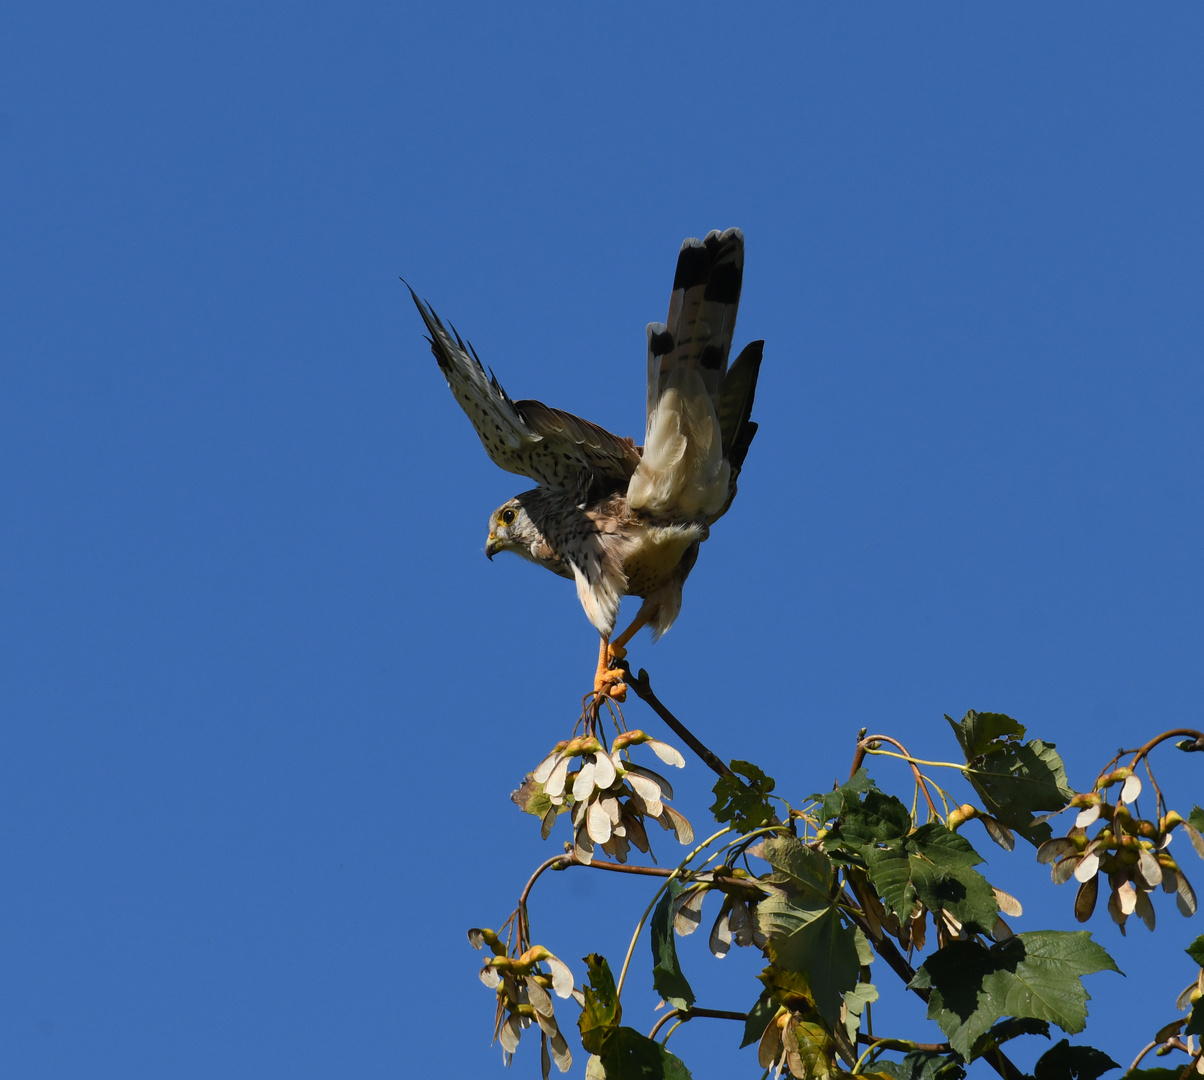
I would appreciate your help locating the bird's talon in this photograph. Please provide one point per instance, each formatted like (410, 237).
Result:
(615, 653)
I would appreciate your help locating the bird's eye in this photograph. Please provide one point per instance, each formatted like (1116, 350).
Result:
(507, 517)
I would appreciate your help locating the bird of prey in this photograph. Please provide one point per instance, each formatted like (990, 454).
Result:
(615, 518)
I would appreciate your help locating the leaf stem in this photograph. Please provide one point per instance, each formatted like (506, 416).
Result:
(683, 1015)
(913, 762)
(648, 910)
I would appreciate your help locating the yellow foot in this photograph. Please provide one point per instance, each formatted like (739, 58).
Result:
(608, 683)
(615, 653)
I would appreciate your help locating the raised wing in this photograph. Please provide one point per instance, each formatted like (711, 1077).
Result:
(734, 409)
(685, 471)
(554, 448)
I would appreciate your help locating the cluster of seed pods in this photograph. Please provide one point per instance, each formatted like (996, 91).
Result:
(608, 795)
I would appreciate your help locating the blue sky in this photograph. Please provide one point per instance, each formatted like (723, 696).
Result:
(264, 699)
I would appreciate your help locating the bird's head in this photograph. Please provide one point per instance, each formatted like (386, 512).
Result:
(511, 529)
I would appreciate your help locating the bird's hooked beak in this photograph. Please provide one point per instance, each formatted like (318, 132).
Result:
(492, 546)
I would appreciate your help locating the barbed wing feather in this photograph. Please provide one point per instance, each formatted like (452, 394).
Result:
(554, 448)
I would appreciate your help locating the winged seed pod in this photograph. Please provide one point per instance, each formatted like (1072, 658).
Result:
(607, 795)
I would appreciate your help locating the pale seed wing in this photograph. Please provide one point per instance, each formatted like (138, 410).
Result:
(741, 923)
(556, 778)
(1087, 868)
(1144, 909)
(1001, 834)
(598, 823)
(1087, 816)
(1197, 841)
(490, 977)
(1084, 899)
(665, 788)
(1130, 789)
(635, 832)
(560, 1052)
(544, 769)
(1061, 872)
(1126, 898)
(1057, 848)
(509, 1034)
(769, 1049)
(604, 771)
(721, 934)
(1008, 904)
(682, 829)
(1147, 866)
(539, 998)
(562, 977)
(583, 846)
(688, 916)
(668, 754)
(583, 786)
(1186, 898)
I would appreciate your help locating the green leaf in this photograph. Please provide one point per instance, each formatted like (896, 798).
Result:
(1066, 1062)
(805, 928)
(932, 864)
(1035, 975)
(1013, 779)
(745, 805)
(1196, 820)
(855, 1001)
(601, 1013)
(629, 1055)
(1196, 950)
(667, 977)
(923, 1065)
(876, 819)
(758, 1020)
(1154, 1074)
(1005, 1031)
(848, 794)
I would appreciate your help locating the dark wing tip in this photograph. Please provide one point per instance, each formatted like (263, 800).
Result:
(660, 342)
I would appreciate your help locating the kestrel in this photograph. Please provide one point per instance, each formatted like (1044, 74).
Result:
(619, 519)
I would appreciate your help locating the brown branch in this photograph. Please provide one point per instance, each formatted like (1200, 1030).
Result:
(691, 1013)
(920, 781)
(643, 687)
(1137, 1060)
(1142, 751)
(858, 754)
(903, 1044)
(896, 962)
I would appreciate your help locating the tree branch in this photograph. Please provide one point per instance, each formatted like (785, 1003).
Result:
(643, 687)
(691, 1013)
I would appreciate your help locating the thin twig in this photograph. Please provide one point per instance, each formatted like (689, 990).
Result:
(907, 756)
(1142, 751)
(643, 687)
(524, 929)
(691, 1013)
(927, 1048)
(1137, 1060)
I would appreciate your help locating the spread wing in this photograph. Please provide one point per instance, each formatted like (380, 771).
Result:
(698, 411)
(554, 448)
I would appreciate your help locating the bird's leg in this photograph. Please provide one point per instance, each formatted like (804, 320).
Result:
(616, 650)
(608, 681)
